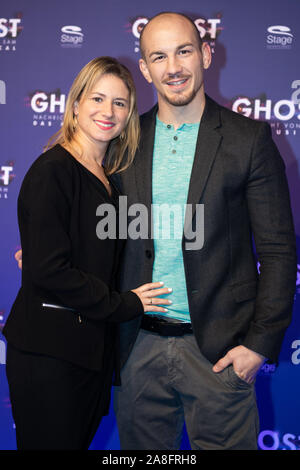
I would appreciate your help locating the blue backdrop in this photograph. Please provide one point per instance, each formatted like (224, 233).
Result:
(255, 71)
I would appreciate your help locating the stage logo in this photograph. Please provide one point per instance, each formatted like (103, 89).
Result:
(71, 36)
(2, 92)
(209, 29)
(47, 107)
(6, 177)
(279, 37)
(284, 114)
(10, 28)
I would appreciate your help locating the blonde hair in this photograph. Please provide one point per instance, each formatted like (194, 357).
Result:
(121, 150)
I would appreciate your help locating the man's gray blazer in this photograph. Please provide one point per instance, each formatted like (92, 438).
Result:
(239, 176)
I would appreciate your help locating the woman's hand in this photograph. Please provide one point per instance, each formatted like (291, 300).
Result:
(148, 294)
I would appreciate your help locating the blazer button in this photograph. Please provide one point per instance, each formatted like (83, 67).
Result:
(148, 254)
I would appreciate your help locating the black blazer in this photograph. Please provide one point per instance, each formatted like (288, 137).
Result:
(239, 176)
(65, 264)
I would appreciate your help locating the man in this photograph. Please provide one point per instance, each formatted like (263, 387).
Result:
(198, 363)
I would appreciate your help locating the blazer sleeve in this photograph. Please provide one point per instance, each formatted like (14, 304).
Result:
(45, 202)
(274, 236)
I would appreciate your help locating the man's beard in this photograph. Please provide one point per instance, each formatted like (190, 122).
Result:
(181, 99)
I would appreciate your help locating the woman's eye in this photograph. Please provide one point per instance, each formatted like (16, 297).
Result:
(97, 99)
(120, 104)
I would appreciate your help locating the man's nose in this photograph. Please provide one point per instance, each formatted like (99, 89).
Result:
(174, 65)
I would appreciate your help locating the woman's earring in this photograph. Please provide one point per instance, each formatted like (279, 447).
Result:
(74, 122)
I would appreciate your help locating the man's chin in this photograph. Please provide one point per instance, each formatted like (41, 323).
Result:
(180, 100)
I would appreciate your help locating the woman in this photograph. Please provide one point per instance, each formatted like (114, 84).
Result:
(61, 332)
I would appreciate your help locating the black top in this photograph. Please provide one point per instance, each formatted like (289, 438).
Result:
(64, 263)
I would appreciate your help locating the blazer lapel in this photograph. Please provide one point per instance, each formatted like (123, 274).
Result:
(143, 162)
(144, 158)
(207, 145)
(208, 142)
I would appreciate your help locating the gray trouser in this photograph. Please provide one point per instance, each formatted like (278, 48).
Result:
(167, 381)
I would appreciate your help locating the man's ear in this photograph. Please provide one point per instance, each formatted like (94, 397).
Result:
(144, 70)
(206, 55)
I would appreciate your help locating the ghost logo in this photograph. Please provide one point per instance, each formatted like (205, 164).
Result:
(283, 114)
(138, 25)
(2, 352)
(283, 110)
(41, 101)
(2, 92)
(6, 176)
(9, 27)
(48, 108)
(208, 29)
(272, 440)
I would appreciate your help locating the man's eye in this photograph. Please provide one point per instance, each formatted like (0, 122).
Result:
(158, 58)
(185, 51)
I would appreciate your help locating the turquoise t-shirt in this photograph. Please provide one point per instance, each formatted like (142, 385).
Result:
(173, 158)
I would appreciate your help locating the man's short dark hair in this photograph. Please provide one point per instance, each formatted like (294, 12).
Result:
(199, 39)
